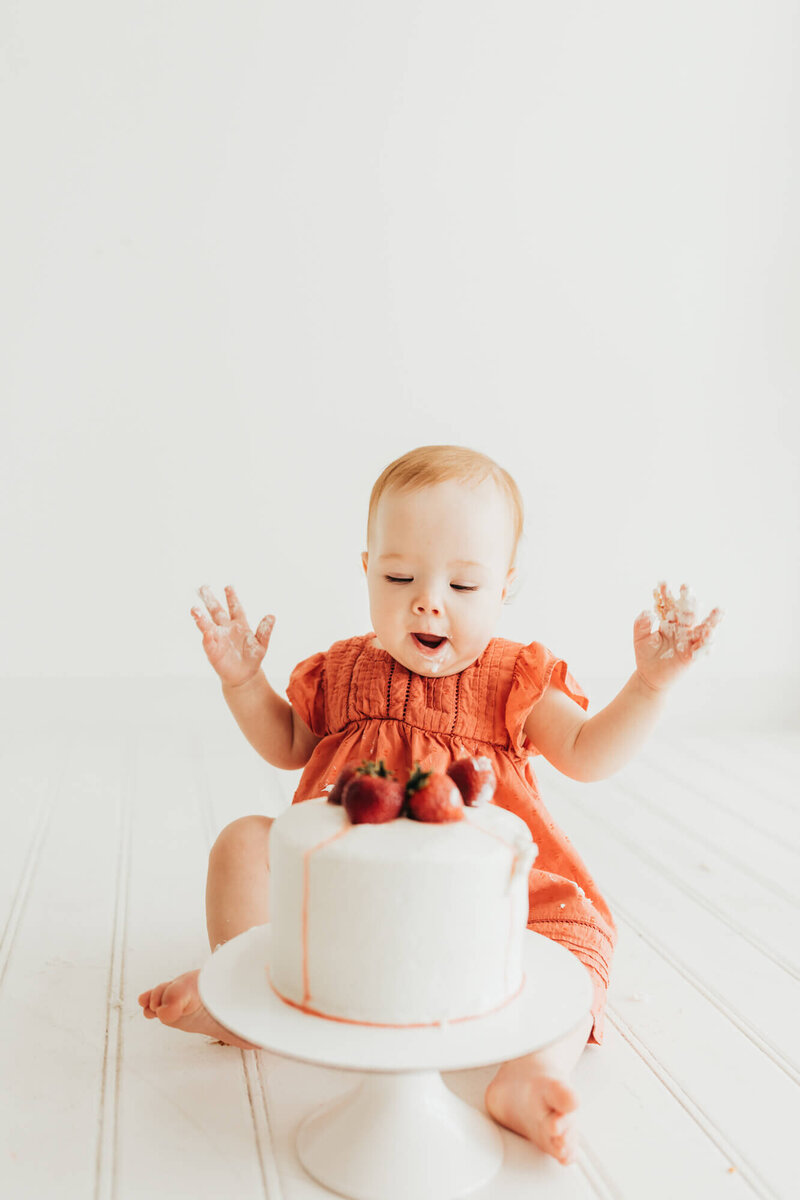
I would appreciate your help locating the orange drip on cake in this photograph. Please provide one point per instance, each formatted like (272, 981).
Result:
(306, 1005)
(315, 1012)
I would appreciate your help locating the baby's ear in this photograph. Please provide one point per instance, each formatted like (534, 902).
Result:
(364, 560)
(509, 589)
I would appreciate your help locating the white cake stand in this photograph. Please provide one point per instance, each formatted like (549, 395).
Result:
(400, 1132)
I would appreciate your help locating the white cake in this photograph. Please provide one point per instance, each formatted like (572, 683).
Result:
(400, 923)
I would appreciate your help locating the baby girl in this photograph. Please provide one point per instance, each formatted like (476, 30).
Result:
(432, 684)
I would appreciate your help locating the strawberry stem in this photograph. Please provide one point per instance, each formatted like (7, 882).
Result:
(378, 768)
(417, 780)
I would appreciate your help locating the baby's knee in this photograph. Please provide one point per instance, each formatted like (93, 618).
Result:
(246, 837)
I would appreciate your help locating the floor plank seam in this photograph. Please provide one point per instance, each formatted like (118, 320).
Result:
(687, 785)
(724, 770)
(251, 1060)
(767, 882)
(784, 839)
(687, 890)
(274, 1188)
(745, 1169)
(594, 1173)
(107, 1162)
(719, 914)
(759, 1040)
(26, 877)
(668, 816)
(260, 1123)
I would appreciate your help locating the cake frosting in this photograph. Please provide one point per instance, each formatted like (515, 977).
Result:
(401, 923)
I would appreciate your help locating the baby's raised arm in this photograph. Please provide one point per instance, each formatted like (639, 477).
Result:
(269, 722)
(595, 747)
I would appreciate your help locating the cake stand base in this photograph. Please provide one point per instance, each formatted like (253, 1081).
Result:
(401, 1134)
(414, 1138)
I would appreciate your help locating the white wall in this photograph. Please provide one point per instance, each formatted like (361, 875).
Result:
(255, 251)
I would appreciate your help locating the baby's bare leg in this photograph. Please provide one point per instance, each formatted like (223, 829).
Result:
(532, 1096)
(237, 888)
(236, 900)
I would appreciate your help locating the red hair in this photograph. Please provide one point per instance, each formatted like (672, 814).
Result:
(429, 465)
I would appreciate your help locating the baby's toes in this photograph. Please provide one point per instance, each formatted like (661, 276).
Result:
(564, 1150)
(149, 1002)
(156, 996)
(562, 1139)
(172, 1002)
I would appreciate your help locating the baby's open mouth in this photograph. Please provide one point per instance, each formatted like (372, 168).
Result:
(429, 642)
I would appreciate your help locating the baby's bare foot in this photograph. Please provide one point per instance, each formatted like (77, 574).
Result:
(178, 1004)
(537, 1106)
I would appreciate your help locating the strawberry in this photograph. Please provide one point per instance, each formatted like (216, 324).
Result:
(344, 777)
(474, 778)
(433, 796)
(373, 795)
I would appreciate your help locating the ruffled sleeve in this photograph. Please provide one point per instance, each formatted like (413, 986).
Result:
(534, 670)
(306, 693)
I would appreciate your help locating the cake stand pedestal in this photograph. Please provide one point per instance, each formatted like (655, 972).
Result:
(399, 1132)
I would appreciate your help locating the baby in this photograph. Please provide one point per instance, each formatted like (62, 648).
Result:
(431, 684)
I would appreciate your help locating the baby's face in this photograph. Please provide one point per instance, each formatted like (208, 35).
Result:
(438, 566)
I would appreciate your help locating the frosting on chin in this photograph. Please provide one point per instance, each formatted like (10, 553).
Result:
(384, 924)
(433, 668)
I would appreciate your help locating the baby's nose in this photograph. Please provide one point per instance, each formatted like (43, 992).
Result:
(425, 604)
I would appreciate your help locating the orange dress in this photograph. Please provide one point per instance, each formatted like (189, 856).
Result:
(362, 703)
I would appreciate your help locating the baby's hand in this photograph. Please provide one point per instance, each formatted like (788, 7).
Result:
(664, 653)
(233, 650)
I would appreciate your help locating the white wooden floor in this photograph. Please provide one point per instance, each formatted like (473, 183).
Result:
(106, 825)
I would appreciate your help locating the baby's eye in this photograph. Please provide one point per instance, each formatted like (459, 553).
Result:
(397, 579)
(462, 587)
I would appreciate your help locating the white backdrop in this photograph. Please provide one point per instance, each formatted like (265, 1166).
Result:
(254, 251)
